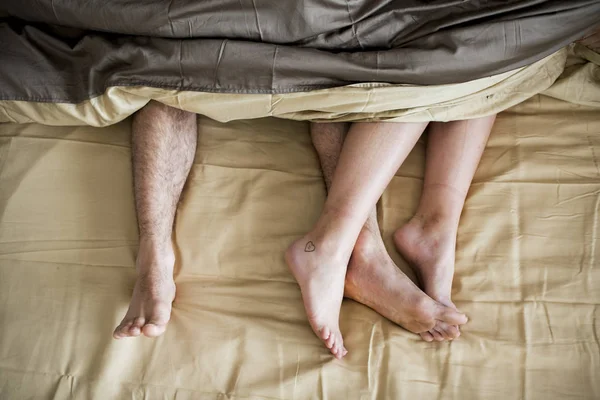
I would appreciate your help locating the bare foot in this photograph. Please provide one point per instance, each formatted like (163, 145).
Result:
(320, 274)
(375, 281)
(429, 247)
(150, 307)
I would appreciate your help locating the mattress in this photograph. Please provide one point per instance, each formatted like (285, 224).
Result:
(527, 269)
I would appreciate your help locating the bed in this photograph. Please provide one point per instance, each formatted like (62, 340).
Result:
(528, 254)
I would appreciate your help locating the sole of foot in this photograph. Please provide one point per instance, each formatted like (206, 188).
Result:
(374, 280)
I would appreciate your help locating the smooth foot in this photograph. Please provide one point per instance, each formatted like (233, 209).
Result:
(428, 245)
(320, 275)
(375, 281)
(150, 307)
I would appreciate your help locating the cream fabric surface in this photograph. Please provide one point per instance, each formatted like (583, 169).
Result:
(527, 269)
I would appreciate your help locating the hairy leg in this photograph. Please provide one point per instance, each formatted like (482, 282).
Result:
(428, 240)
(373, 278)
(371, 154)
(163, 149)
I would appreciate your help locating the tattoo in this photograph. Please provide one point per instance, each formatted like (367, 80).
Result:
(310, 247)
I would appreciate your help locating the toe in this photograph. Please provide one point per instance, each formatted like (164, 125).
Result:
(340, 346)
(330, 342)
(443, 332)
(334, 344)
(153, 329)
(337, 352)
(327, 337)
(453, 317)
(337, 348)
(157, 323)
(436, 335)
(136, 327)
(122, 330)
(452, 332)
(447, 331)
(426, 336)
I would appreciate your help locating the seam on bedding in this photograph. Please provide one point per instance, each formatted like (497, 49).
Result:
(83, 265)
(205, 89)
(191, 88)
(54, 11)
(260, 34)
(367, 101)
(135, 242)
(377, 70)
(2, 254)
(219, 58)
(352, 24)
(8, 151)
(295, 89)
(169, 18)
(69, 140)
(12, 119)
(511, 182)
(200, 165)
(273, 66)
(181, 79)
(230, 395)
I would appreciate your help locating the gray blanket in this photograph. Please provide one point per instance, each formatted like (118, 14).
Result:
(69, 51)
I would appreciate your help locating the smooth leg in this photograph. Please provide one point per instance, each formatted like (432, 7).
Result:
(163, 149)
(428, 240)
(371, 154)
(373, 278)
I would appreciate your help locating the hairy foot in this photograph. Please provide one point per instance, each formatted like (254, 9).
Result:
(375, 281)
(429, 247)
(320, 274)
(150, 307)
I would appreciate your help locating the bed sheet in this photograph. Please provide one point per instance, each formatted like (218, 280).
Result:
(527, 269)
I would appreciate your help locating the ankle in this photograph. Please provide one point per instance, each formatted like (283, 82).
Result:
(152, 252)
(431, 222)
(368, 245)
(157, 245)
(332, 239)
(336, 219)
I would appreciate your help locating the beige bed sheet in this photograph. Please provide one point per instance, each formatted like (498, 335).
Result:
(527, 271)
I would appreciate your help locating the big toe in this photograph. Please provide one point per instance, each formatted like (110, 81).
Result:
(157, 323)
(452, 316)
(426, 336)
(154, 329)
